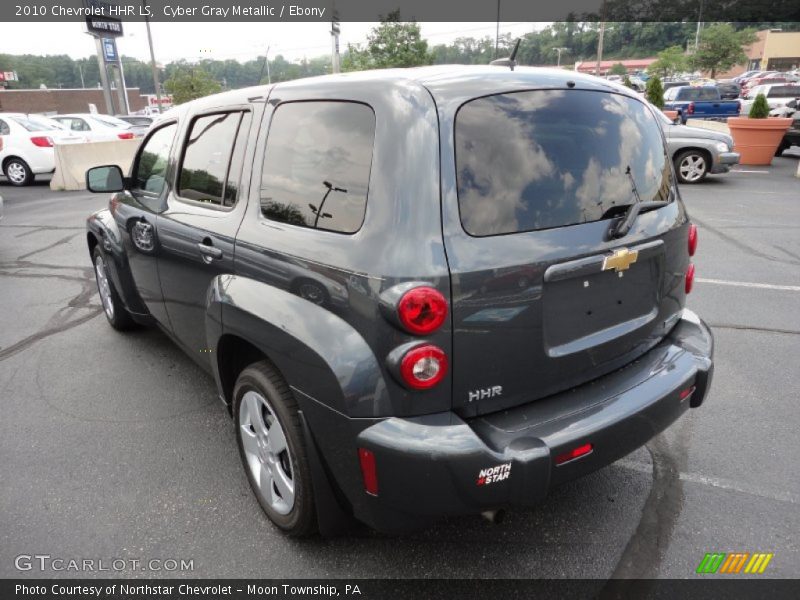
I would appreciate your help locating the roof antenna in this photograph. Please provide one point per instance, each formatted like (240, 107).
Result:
(509, 61)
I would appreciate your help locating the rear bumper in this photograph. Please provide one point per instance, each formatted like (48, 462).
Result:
(439, 464)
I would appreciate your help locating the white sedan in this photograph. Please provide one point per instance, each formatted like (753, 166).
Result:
(777, 95)
(26, 147)
(100, 128)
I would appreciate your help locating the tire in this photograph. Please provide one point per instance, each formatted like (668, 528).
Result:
(691, 166)
(783, 146)
(116, 313)
(17, 172)
(276, 465)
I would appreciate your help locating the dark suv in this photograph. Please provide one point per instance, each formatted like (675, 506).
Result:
(420, 292)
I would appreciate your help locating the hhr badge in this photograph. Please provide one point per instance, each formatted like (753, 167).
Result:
(621, 260)
(490, 392)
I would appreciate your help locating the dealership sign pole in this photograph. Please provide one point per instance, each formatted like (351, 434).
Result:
(105, 29)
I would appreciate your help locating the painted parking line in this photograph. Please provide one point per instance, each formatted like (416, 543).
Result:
(749, 171)
(747, 284)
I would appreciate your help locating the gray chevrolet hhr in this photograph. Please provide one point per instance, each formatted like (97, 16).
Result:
(420, 292)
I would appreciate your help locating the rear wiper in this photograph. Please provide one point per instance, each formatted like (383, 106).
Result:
(623, 226)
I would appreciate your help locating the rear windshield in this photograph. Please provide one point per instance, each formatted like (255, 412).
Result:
(699, 93)
(549, 158)
(30, 125)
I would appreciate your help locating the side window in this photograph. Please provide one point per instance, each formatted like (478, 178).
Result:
(212, 158)
(79, 125)
(4, 129)
(151, 165)
(317, 164)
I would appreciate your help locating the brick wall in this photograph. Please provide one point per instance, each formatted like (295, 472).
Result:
(63, 101)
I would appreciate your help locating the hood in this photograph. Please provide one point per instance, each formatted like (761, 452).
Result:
(686, 132)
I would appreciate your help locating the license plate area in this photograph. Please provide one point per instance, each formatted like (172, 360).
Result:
(585, 307)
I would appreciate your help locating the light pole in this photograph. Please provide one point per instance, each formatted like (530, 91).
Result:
(318, 211)
(559, 50)
(265, 64)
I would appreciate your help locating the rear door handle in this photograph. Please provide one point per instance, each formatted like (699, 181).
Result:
(208, 251)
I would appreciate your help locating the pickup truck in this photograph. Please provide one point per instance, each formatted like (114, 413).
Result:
(699, 102)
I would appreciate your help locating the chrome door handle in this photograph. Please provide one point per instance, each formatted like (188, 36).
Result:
(209, 252)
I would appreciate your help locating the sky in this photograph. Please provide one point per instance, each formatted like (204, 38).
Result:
(222, 41)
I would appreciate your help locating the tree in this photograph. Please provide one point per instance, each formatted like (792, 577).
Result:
(390, 44)
(669, 62)
(189, 83)
(618, 69)
(721, 47)
(760, 108)
(655, 91)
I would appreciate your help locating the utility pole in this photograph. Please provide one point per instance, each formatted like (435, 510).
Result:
(699, 27)
(600, 47)
(153, 66)
(559, 50)
(265, 65)
(335, 31)
(497, 32)
(80, 70)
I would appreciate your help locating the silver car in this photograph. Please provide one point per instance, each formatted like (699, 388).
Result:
(696, 152)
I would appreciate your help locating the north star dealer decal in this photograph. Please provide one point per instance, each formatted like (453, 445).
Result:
(494, 474)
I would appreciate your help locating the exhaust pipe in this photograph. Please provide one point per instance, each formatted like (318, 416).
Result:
(494, 516)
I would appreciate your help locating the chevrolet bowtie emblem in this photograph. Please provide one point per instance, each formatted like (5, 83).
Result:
(621, 260)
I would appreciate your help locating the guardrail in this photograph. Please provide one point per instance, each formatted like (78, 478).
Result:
(73, 160)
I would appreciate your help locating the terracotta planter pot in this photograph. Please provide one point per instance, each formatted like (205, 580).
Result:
(757, 139)
(672, 115)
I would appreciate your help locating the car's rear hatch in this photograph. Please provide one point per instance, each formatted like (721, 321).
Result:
(543, 298)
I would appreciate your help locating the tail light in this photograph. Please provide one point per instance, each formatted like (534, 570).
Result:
(42, 141)
(125, 136)
(574, 453)
(690, 108)
(422, 310)
(423, 367)
(369, 471)
(689, 278)
(692, 239)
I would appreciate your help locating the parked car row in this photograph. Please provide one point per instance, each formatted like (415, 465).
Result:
(27, 141)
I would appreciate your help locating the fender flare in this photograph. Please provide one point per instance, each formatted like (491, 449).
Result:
(103, 227)
(319, 354)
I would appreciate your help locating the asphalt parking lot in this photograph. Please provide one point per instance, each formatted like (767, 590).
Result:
(115, 446)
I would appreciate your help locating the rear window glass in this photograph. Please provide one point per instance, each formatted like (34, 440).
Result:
(30, 125)
(550, 158)
(784, 91)
(317, 165)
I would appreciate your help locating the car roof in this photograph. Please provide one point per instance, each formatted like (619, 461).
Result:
(444, 82)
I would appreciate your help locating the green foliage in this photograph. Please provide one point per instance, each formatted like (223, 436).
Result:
(618, 69)
(626, 81)
(189, 84)
(655, 92)
(721, 47)
(390, 44)
(669, 62)
(760, 108)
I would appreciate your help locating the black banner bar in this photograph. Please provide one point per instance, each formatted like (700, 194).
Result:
(735, 587)
(420, 10)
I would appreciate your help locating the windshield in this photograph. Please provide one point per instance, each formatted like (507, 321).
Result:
(541, 159)
(30, 125)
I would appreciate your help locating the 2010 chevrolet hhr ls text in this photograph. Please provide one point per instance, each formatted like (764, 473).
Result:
(421, 292)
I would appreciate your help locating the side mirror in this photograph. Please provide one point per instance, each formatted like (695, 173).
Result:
(105, 179)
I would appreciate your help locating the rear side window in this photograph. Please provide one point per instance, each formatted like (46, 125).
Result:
(4, 129)
(317, 164)
(212, 159)
(541, 159)
(784, 91)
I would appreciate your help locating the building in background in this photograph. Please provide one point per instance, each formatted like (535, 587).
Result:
(62, 101)
(632, 65)
(774, 50)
